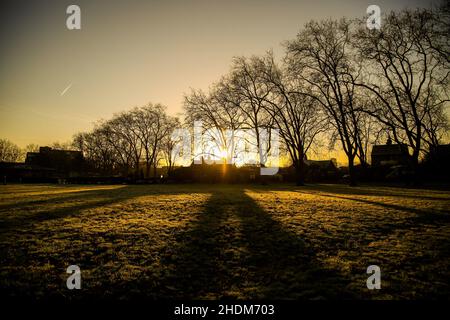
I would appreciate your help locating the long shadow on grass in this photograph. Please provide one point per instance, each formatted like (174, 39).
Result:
(83, 201)
(70, 205)
(422, 216)
(21, 226)
(364, 190)
(434, 195)
(51, 198)
(235, 249)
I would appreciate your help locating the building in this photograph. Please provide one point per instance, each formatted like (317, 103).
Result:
(314, 171)
(321, 170)
(66, 163)
(22, 172)
(47, 165)
(330, 164)
(390, 154)
(215, 172)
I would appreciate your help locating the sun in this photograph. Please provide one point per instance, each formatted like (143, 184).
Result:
(222, 154)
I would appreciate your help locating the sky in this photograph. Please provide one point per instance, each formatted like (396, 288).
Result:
(55, 82)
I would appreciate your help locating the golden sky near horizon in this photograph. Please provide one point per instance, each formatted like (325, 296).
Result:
(128, 53)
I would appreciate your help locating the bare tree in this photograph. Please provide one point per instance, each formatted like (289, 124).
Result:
(32, 147)
(218, 110)
(168, 144)
(321, 59)
(122, 141)
(97, 150)
(439, 40)
(9, 152)
(141, 121)
(149, 125)
(250, 93)
(297, 116)
(407, 77)
(436, 125)
(61, 145)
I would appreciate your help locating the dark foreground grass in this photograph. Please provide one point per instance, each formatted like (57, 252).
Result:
(218, 241)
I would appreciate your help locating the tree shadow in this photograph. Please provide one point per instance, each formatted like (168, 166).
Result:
(422, 216)
(361, 190)
(377, 191)
(197, 265)
(83, 200)
(54, 198)
(237, 250)
(21, 234)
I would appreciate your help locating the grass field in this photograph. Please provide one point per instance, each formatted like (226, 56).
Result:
(217, 241)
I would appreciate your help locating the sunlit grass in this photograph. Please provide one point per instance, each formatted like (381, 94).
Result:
(214, 241)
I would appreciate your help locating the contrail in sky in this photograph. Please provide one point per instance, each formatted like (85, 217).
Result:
(65, 90)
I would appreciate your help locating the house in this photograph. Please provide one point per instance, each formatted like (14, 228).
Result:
(390, 154)
(321, 170)
(330, 164)
(315, 171)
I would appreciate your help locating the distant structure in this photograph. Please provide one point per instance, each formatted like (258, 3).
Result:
(436, 163)
(321, 170)
(440, 154)
(63, 161)
(314, 171)
(47, 165)
(210, 171)
(21, 172)
(324, 164)
(390, 154)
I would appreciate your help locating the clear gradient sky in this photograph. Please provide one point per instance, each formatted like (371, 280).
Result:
(128, 53)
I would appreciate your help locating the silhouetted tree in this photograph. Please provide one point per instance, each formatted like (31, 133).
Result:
(407, 75)
(250, 93)
(297, 116)
(321, 58)
(9, 152)
(122, 142)
(168, 144)
(31, 148)
(218, 110)
(97, 150)
(151, 125)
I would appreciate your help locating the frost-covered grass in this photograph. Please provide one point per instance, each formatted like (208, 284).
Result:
(216, 241)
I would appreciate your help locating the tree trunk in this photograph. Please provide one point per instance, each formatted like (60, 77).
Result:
(300, 173)
(351, 171)
(147, 168)
(416, 176)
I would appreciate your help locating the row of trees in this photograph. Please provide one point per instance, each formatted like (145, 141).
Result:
(340, 80)
(9, 152)
(120, 144)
